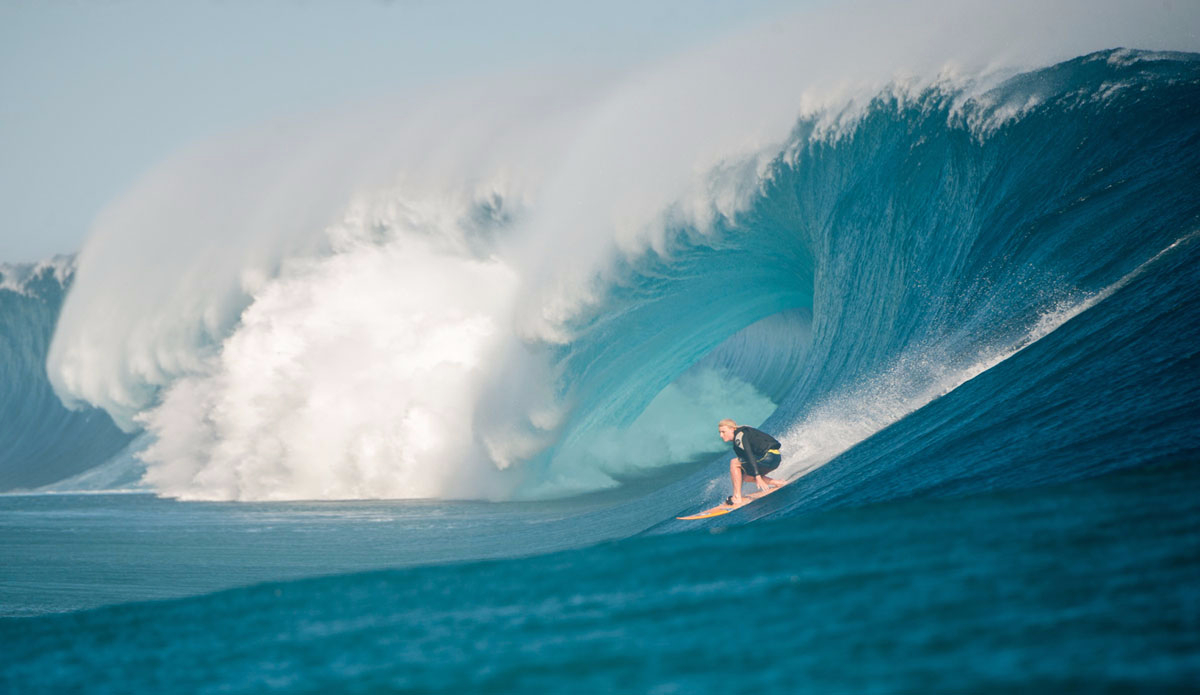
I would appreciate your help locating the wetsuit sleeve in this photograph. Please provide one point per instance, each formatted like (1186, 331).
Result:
(744, 446)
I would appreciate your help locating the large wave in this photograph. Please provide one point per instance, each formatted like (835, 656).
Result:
(41, 441)
(574, 286)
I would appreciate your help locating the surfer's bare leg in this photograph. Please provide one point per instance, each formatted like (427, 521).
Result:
(735, 475)
(772, 482)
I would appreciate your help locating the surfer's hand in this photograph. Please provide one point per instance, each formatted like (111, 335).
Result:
(762, 484)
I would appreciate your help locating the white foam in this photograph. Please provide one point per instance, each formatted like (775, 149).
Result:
(351, 376)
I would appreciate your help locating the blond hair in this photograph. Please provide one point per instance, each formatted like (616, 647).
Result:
(727, 423)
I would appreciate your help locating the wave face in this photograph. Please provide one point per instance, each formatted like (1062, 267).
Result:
(939, 236)
(41, 442)
(949, 234)
(968, 305)
(879, 258)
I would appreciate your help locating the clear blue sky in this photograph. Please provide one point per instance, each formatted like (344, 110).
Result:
(92, 94)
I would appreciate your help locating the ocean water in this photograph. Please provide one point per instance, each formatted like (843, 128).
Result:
(970, 313)
(1084, 586)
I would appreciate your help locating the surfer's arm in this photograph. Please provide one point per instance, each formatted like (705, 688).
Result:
(752, 456)
(749, 460)
(745, 453)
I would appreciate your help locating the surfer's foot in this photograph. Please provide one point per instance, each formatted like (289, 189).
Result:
(734, 500)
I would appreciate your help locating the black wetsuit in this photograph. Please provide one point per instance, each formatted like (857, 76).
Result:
(757, 450)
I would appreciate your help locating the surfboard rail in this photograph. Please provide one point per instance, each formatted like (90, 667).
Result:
(723, 508)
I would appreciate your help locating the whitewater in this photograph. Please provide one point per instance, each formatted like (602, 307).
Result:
(418, 387)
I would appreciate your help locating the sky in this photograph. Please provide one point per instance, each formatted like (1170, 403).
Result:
(94, 94)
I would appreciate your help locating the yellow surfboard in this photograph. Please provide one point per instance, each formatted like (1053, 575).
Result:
(726, 508)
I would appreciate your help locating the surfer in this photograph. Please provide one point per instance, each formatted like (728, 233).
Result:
(757, 454)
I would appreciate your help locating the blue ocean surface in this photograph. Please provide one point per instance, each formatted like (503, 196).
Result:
(1084, 587)
(976, 322)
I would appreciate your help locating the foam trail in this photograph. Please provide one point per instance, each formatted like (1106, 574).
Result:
(846, 418)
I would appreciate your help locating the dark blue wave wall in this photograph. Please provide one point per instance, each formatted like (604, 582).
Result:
(937, 235)
(41, 441)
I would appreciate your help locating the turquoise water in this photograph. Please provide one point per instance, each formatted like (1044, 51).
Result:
(982, 348)
(68, 552)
